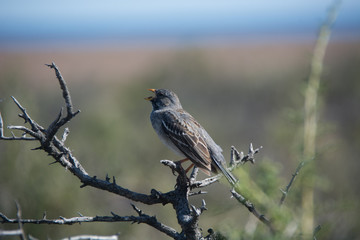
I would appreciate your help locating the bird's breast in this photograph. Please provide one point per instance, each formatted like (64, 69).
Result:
(156, 121)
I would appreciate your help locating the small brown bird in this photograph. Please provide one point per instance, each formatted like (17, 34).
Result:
(179, 131)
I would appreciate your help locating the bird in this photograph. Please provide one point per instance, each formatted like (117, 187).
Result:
(180, 132)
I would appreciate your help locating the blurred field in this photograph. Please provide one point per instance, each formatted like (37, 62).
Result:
(240, 92)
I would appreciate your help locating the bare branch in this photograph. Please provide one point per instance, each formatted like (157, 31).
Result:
(197, 193)
(66, 93)
(198, 211)
(142, 218)
(171, 164)
(238, 158)
(152, 221)
(249, 157)
(57, 123)
(35, 127)
(253, 210)
(176, 167)
(92, 237)
(70, 221)
(16, 232)
(1, 127)
(206, 182)
(287, 189)
(24, 129)
(13, 137)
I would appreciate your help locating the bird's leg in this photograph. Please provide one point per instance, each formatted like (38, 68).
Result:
(183, 160)
(192, 165)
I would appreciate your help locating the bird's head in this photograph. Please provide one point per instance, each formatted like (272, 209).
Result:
(164, 98)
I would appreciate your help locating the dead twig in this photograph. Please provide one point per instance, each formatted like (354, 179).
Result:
(253, 210)
(287, 188)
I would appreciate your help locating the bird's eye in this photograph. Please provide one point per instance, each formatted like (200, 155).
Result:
(160, 94)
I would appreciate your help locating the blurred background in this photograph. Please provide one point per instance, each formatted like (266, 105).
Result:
(239, 67)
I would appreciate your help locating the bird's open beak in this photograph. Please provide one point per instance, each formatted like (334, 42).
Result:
(151, 97)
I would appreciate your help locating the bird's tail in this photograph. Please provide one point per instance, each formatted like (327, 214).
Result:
(231, 179)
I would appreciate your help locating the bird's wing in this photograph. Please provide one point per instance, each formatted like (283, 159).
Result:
(184, 133)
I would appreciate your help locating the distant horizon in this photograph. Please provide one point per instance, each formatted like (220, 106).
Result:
(38, 23)
(167, 41)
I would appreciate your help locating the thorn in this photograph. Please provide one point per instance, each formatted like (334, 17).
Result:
(50, 65)
(80, 214)
(195, 210)
(23, 117)
(37, 148)
(53, 162)
(203, 205)
(114, 181)
(76, 113)
(107, 178)
(251, 148)
(136, 209)
(44, 215)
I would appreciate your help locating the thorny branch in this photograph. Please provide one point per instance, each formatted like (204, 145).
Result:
(238, 158)
(187, 215)
(142, 218)
(59, 122)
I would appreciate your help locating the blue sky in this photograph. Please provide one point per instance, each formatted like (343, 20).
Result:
(44, 20)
